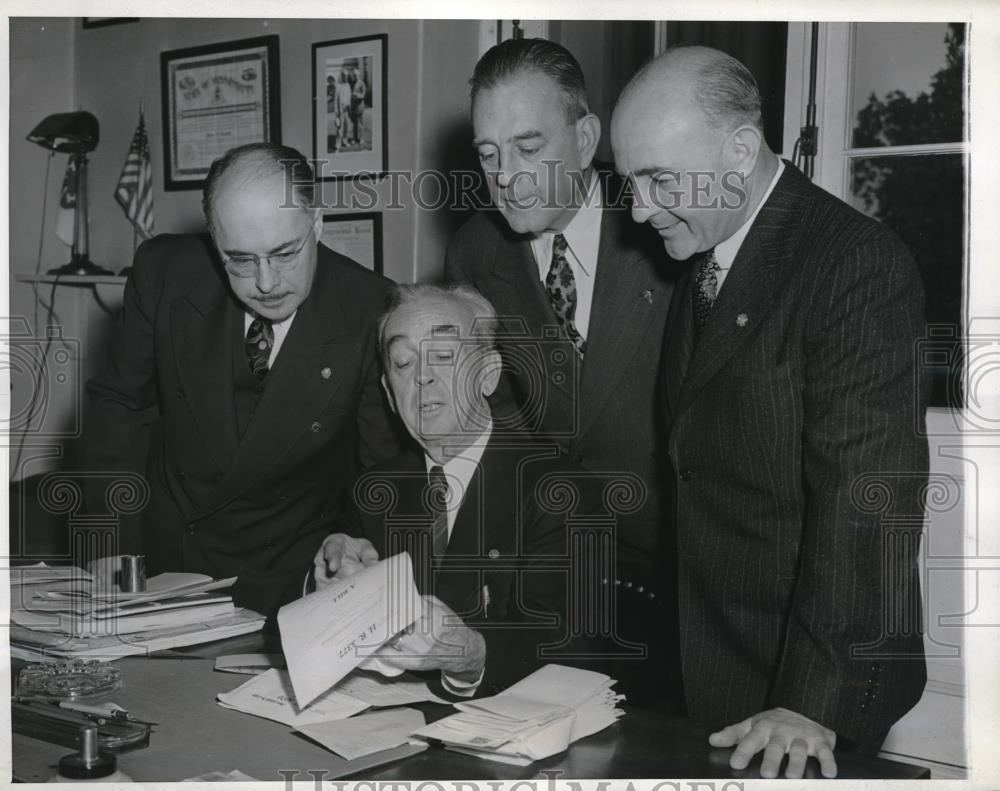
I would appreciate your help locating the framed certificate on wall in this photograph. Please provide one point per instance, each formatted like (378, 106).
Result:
(214, 98)
(358, 236)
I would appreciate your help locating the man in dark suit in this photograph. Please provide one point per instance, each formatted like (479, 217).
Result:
(583, 298)
(795, 423)
(485, 514)
(242, 380)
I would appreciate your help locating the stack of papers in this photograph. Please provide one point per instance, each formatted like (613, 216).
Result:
(64, 612)
(539, 716)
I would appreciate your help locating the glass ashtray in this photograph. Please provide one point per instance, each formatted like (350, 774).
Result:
(68, 679)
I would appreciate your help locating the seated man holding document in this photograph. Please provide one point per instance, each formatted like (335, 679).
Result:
(482, 513)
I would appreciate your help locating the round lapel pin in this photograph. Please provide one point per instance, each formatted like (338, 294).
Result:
(326, 373)
(742, 319)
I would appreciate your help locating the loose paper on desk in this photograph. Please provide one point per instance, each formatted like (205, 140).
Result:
(270, 695)
(367, 733)
(326, 634)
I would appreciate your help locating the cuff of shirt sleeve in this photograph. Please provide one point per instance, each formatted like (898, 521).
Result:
(464, 689)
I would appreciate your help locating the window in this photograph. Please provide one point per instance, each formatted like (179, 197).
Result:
(893, 139)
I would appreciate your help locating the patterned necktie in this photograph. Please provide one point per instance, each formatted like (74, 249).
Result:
(438, 500)
(706, 288)
(561, 285)
(258, 345)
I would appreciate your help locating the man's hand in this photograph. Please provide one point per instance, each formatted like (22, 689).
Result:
(777, 732)
(438, 641)
(340, 556)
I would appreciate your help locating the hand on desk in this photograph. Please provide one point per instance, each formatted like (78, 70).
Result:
(340, 556)
(777, 732)
(439, 640)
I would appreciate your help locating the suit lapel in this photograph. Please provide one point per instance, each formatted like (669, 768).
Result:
(202, 327)
(627, 293)
(749, 291)
(519, 295)
(313, 363)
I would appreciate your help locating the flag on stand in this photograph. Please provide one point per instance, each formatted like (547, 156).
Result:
(67, 205)
(135, 185)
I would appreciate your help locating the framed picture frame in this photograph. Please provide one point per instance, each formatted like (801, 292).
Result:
(104, 21)
(357, 235)
(216, 97)
(350, 111)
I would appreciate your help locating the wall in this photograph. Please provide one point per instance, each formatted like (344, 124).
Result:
(117, 66)
(41, 83)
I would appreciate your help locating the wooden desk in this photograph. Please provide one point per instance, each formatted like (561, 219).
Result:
(195, 736)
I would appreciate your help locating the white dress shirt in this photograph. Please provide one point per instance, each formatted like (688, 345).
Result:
(280, 331)
(583, 236)
(725, 252)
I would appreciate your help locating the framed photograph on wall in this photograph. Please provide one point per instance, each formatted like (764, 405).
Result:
(358, 236)
(350, 122)
(214, 98)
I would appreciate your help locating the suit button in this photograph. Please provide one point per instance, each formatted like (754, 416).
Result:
(564, 450)
(315, 427)
(864, 706)
(686, 474)
(192, 529)
(180, 392)
(181, 474)
(282, 496)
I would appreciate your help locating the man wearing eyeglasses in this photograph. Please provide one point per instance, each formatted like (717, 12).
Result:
(242, 380)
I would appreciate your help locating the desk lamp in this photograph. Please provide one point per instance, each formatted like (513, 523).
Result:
(76, 133)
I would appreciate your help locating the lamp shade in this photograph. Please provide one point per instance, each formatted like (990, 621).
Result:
(73, 132)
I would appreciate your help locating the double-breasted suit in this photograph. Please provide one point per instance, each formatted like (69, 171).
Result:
(226, 499)
(797, 458)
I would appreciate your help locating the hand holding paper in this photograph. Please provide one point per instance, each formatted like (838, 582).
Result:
(439, 640)
(340, 556)
(326, 634)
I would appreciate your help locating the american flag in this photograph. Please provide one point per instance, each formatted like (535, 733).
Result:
(135, 185)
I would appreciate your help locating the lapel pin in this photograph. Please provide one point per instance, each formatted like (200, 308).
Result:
(742, 319)
(494, 554)
(326, 373)
(648, 296)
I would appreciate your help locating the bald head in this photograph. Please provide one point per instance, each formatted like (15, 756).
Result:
(687, 131)
(702, 79)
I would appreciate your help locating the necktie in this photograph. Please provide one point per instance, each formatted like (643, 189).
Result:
(258, 345)
(561, 285)
(438, 500)
(706, 288)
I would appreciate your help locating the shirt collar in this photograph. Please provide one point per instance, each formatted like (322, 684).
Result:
(584, 230)
(725, 252)
(463, 464)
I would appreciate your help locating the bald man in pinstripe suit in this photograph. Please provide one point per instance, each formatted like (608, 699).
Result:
(795, 426)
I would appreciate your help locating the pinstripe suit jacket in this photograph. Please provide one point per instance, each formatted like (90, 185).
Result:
(604, 413)
(797, 455)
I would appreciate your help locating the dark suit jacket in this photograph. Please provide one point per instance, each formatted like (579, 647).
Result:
(797, 454)
(255, 507)
(604, 414)
(511, 536)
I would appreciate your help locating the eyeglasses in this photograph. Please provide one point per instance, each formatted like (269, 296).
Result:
(246, 265)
